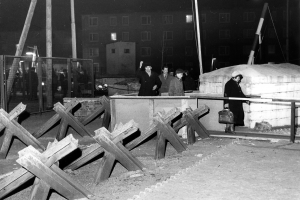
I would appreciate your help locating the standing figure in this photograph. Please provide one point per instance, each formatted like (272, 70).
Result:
(233, 89)
(150, 83)
(165, 79)
(64, 82)
(176, 86)
(188, 81)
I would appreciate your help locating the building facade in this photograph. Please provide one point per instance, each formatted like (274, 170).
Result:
(169, 38)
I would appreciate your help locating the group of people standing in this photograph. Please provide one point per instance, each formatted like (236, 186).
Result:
(153, 84)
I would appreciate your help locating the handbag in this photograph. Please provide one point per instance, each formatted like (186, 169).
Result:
(226, 117)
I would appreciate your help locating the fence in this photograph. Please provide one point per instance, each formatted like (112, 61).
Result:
(70, 78)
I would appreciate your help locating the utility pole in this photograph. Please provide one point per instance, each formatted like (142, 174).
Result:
(20, 47)
(49, 71)
(74, 50)
(198, 38)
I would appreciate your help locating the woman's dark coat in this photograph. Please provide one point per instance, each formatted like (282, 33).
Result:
(147, 82)
(233, 89)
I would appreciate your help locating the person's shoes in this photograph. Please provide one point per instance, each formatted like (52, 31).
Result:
(232, 132)
(231, 129)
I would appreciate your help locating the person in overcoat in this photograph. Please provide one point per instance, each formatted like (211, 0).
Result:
(233, 89)
(165, 79)
(150, 83)
(176, 85)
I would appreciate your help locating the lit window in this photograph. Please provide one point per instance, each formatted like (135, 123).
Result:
(224, 17)
(94, 37)
(93, 21)
(113, 36)
(94, 52)
(125, 20)
(125, 36)
(168, 35)
(113, 21)
(146, 20)
(224, 50)
(145, 35)
(146, 51)
(189, 35)
(167, 19)
(249, 16)
(224, 34)
(189, 18)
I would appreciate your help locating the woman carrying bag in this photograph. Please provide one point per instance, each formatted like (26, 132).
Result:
(233, 89)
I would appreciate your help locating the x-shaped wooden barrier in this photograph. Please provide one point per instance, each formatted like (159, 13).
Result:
(190, 119)
(161, 124)
(47, 174)
(104, 108)
(13, 128)
(111, 145)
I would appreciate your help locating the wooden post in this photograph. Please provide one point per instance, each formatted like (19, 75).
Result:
(40, 86)
(293, 131)
(49, 72)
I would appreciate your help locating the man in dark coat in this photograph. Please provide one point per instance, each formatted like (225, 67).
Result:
(233, 89)
(150, 83)
(176, 86)
(165, 79)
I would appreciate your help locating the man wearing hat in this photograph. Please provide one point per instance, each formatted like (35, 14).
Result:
(150, 83)
(176, 86)
(233, 89)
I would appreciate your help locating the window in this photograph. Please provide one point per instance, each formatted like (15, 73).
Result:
(113, 36)
(125, 20)
(224, 50)
(167, 19)
(271, 49)
(224, 34)
(113, 21)
(203, 18)
(126, 50)
(96, 67)
(169, 51)
(248, 33)
(146, 51)
(145, 35)
(188, 51)
(94, 37)
(113, 50)
(189, 19)
(249, 16)
(168, 35)
(189, 35)
(125, 36)
(94, 52)
(93, 21)
(224, 17)
(247, 49)
(146, 20)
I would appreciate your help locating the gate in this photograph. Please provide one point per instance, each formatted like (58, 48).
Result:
(70, 78)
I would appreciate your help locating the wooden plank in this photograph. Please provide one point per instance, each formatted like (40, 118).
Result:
(105, 168)
(40, 190)
(14, 113)
(40, 170)
(7, 140)
(191, 139)
(62, 129)
(160, 148)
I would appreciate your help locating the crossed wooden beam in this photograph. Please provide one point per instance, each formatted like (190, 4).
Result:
(111, 145)
(14, 129)
(67, 119)
(190, 118)
(43, 167)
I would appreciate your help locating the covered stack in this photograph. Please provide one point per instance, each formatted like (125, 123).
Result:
(268, 81)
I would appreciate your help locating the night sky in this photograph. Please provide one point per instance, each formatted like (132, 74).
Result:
(13, 12)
